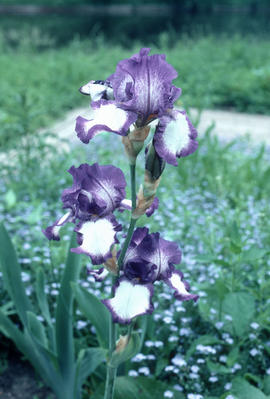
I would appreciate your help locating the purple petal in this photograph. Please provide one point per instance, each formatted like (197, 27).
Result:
(130, 300)
(143, 84)
(175, 137)
(154, 250)
(107, 117)
(52, 232)
(96, 238)
(149, 212)
(96, 190)
(180, 286)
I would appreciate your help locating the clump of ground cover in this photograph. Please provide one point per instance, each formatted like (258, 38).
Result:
(225, 72)
(217, 209)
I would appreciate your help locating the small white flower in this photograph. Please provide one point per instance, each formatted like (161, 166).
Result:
(223, 358)
(133, 373)
(158, 344)
(254, 352)
(252, 336)
(178, 388)
(168, 319)
(219, 325)
(149, 344)
(168, 394)
(184, 331)
(81, 324)
(213, 378)
(200, 361)
(268, 371)
(173, 338)
(138, 358)
(195, 369)
(228, 317)
(151, 357)
(194, 396)
(169, 368)
(254, 325)
(229, 397)
(179, 361)
(144, 370)
(193, 376)
(228, 386)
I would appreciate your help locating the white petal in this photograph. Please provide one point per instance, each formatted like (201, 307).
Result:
(130, 301)
(176, 135)
(177, 283)
(97, 238)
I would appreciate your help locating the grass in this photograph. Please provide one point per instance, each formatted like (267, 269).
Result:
(42, 84)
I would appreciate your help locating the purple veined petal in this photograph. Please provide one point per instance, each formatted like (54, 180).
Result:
(96, 238)
(136, 239)
(143, 84)
(97, 90)
(180, 286)
(107, 118)
(149, 212)
(98, 274)
(130, 300)
(52, 232)
(175, 137)
(96, 190)
(162, 253)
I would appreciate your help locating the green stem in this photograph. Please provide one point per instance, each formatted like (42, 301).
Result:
(110, 382)
(112, 371)
(132, 221)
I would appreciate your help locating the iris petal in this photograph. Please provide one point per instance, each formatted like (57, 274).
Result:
(96, 238)
(107, 117)
(130, 300)
(180, 286)
(175, 137)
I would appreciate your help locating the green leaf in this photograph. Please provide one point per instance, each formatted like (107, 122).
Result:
(233, 356)
(88, 360)
(217, 368)
(64, 316)
(12, 275)
(266, 384)
(140, 387)
(10, 199)
(244, 390)
(241, 307)
(37, 329)
(128, 352)
(252, 254)
(41, 296)
(95, 312)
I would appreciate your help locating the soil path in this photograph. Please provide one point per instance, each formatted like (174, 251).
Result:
(227, 125)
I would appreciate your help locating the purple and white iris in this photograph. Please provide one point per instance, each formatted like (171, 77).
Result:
(97, 191)
(139, 92)
(149, 258)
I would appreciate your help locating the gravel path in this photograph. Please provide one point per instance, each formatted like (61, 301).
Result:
(227, 125)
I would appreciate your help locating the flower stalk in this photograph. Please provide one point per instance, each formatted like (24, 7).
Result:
(112, 371)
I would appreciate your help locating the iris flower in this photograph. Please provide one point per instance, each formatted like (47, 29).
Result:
(138, 93)
(149, 258)
(97, 191)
